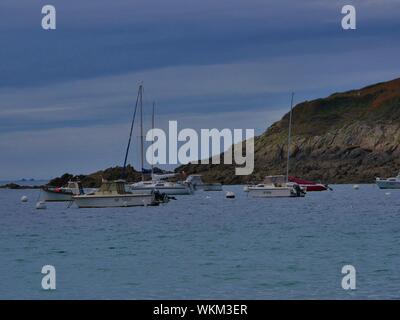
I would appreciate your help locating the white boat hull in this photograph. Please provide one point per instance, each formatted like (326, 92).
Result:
(49, 196)
(270, 192)
(171, 191)
(122, 200)
(384, 184)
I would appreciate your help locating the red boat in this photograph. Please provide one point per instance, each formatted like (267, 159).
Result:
(309, 185)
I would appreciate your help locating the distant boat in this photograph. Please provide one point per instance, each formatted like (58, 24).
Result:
(275, 187)
(278, 186)
(195, 181)
(113, 194)
(155, 184)
(309, 185)
(167, 187)
(389, 183)
(55, 194)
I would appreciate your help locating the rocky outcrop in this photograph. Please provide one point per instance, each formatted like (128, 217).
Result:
(347, 137)
(93, 180)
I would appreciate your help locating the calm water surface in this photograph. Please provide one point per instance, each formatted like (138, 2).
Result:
(205, 247)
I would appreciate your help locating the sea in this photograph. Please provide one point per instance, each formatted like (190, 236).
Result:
(205, 246)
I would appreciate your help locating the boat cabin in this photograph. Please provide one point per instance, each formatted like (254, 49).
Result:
(112, 187)
(277, 181)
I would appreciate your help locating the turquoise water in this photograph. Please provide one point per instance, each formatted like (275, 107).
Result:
(205, 247)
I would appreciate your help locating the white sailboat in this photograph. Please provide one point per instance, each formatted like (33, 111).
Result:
(114, 193)
(157, 182)
(278, 186)
(275, 186)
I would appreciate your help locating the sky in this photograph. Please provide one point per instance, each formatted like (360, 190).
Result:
(67, 95)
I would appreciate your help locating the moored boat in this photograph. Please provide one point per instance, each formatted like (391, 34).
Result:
(278, 186)
(309, 185)
(195, 181)
(389, 183)
(55, 194)
(169, 188)
(275, 187)
(113, 194)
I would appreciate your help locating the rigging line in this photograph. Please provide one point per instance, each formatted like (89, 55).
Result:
(290, 132)
(141, 132)
(130, 133)
(152, 138)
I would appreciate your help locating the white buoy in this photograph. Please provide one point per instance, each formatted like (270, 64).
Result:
(41, 205)
(387, 193)
(24, 199)
(356, 187)
(246, 188)
(230, 195)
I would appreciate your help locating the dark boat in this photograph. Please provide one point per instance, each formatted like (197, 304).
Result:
(309, 185)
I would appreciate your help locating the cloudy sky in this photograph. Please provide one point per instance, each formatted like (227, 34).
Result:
(67, 95)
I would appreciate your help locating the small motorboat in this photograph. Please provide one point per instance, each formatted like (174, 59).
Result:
(309, 185)
(275, 187)
(54, 194)
(230, 195)
(113, 194)
(389, 183)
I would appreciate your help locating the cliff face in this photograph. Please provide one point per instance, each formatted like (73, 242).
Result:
(347, 137)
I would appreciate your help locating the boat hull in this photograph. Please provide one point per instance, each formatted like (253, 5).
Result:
(270, 192)
(52, 196)
(309, 185)
(313, 187)
(171, 191)
(112, 201)
(383, 184)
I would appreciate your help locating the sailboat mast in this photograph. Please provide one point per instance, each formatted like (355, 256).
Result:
(152, 154)
(141, 131)
(130, 135)
(289, 135)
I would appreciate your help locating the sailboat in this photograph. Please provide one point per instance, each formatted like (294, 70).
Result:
(114, 193)
(157, 182)
(278, 186)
